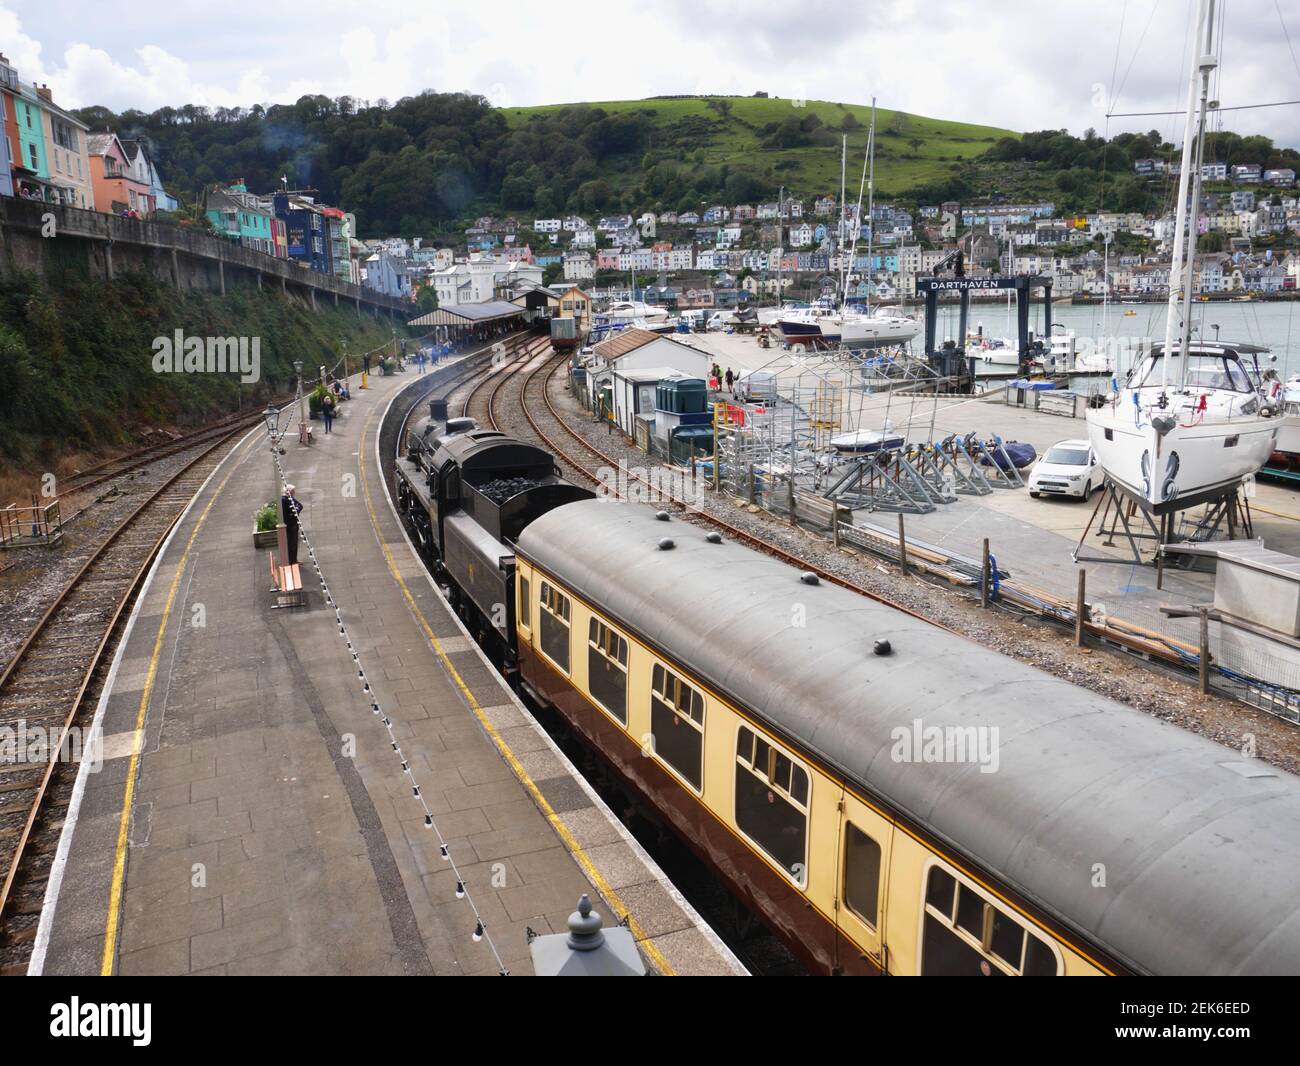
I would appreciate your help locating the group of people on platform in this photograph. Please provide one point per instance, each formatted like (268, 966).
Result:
(337, 391)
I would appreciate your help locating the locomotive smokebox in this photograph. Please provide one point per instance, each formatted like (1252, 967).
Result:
(438, 410)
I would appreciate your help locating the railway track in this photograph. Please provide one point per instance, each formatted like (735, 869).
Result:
(546, 371)
(81, 482)
(1125, 636)
(484, 410)
(49, 688)
(447, 390)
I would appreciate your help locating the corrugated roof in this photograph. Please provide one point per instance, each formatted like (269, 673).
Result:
(462, 314)
(629, 340)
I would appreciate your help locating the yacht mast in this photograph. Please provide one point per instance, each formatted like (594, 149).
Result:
(871, 199)
(780, 246)
(846, 266)
(844, 158)
(1189, 181)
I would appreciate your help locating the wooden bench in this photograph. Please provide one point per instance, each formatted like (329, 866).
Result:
(286, 583)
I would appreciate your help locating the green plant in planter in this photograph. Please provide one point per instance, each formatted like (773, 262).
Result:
(390, 365)
(266, 519)
(314, 400)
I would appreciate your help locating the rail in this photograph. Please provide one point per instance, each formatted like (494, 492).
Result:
(55, 656)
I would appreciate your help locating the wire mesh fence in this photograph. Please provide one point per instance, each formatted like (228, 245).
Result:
(775, 454)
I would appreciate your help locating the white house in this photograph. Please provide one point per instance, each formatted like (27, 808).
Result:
(579, 266)
(801, 236)
(547, 225)
(636, 360)
(476, 281)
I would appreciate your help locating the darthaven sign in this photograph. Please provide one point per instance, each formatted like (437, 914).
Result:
(967, 284)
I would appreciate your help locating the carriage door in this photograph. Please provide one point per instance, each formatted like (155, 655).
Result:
(863, 876)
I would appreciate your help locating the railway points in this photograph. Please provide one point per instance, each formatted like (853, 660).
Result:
(249, 815)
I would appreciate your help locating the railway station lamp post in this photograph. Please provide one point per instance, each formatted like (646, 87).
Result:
(586, 950)
(272, 418)
(303, 429)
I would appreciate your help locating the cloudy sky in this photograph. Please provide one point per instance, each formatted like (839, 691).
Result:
(1019, 64)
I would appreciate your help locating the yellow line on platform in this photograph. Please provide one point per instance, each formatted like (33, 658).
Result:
(124, 822)
(1275, 514)
(570, 842)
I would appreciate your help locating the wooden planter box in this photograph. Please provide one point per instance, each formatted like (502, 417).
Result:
(265, 539)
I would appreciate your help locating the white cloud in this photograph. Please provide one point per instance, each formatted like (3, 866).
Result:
(1024, 64)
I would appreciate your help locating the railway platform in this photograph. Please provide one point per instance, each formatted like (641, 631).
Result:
(251, 814)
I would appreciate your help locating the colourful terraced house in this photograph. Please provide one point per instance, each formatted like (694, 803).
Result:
(31, 167)
(65, 152)
(8, 126)
(117, 187)
(239, 215)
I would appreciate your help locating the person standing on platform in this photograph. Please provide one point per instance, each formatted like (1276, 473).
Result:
(365, 359)
(327, 409)
(290, 508)
(730, 380)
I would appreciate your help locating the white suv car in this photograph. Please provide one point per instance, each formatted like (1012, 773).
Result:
(1069, 468)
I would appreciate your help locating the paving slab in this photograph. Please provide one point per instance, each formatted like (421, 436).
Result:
(253, 816)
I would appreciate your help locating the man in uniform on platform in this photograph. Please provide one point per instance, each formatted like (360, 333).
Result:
(291, 509)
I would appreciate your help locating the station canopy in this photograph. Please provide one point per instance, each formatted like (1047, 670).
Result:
(468, 314)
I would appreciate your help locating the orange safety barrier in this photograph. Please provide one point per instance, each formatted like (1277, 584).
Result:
(727, 414)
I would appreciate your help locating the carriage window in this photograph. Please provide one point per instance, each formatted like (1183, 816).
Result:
(524, 606)
(965, 934)
(772, 802)
(861, 874)
(677, 724)
(555, 626)
(607, 668)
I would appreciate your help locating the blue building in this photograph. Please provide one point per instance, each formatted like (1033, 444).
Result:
(305, 230)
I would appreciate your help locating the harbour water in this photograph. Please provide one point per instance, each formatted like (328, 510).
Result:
(1272, 324)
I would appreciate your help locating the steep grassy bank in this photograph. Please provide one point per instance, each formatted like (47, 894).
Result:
(76, 361)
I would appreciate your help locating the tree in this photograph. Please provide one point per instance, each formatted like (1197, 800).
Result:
(427, 299)
(898, 123)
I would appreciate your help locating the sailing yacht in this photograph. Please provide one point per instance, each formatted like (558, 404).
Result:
(882, 327)
(636, 311)
(1188, 423)
(826, 326)
(1288, 432)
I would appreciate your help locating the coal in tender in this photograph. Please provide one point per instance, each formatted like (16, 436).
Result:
(503, 488)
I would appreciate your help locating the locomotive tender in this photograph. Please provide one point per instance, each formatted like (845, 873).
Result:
(466, 494)
(769, 720)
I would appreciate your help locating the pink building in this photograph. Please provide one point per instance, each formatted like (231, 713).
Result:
(117, 188)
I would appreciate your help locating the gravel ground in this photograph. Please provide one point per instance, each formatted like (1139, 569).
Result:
(33, 577)
(1150, 689)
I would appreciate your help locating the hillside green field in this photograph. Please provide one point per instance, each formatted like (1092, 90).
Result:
(910, 149)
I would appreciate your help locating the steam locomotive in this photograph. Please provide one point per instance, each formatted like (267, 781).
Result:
(466, 494)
